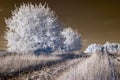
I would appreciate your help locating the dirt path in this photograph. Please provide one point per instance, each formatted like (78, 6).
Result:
(97, 67)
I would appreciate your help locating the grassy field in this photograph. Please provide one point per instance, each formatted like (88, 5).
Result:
(99, 66)
(66, 66)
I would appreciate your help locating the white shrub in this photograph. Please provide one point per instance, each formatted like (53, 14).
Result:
(93, 48)
(106, 48)
(33, 28)
(72, 40)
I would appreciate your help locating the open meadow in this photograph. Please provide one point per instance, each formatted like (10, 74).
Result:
(66, 66)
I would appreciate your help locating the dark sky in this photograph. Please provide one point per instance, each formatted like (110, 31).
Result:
(96, 20)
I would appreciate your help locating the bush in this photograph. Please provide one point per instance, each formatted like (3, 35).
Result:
(93, 48)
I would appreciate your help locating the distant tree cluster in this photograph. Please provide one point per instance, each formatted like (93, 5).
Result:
(36, 29)
(106, 48)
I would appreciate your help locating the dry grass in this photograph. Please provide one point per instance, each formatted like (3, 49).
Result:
(97, 67)
(53, 72)
(15, 63)
(117, 68)
(14, 66)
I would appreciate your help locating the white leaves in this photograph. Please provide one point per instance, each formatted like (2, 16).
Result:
(106, 48)
(35, 28)
(30, 29)
(72, 40)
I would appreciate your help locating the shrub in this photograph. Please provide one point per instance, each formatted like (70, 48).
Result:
(93, 48)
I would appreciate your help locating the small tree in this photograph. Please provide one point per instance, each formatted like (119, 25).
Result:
(72, 40)
(33, 28)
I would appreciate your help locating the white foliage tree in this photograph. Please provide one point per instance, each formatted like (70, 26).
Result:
(106, 48)
(33, 28)
(72, 40)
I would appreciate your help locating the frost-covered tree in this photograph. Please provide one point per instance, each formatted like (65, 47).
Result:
(72, 40)
(105, 48)
(33, 28)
